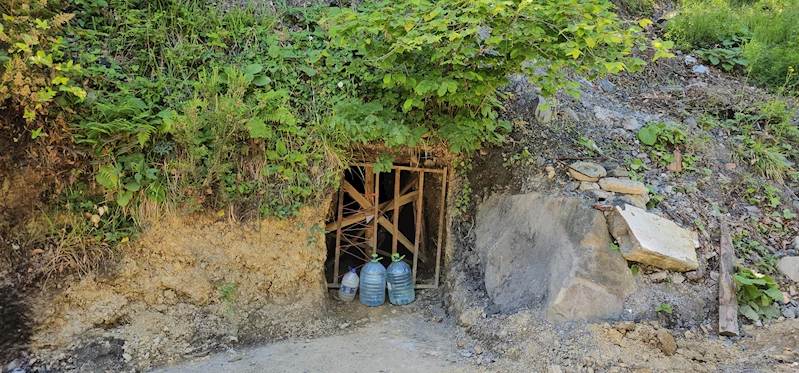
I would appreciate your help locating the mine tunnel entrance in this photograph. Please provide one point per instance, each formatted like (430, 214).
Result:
(400, 211)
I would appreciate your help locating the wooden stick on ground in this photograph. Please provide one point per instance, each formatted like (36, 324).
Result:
(728, 301)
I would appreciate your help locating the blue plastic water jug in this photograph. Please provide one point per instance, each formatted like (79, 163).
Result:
(373, 283)
(400, 281)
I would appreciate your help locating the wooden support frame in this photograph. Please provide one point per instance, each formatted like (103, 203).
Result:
(358, 224)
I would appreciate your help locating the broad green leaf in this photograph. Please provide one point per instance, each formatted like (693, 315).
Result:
(124, 197)
(253, 69)
(261, 80)
(747, 311)
(648, 135)
(281, 148)
(132, 186)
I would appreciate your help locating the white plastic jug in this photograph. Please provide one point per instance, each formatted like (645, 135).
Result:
(349, 286)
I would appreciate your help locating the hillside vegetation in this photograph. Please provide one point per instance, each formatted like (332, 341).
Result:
(181, 103)
(756, 38)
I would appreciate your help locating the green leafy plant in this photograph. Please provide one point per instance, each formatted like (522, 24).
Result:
(728, 53)
(590, 146)
(664, 139)
(523, 158)
(664, 307)
(36, 73)
(465, 194)
(227, 292)
(756, 295)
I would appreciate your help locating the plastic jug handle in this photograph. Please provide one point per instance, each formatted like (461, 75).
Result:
(375, 259)
(396, 257)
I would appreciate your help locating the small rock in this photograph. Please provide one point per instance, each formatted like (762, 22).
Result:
(690, 60)
(550, 172)
(544, 109)
(466, 354)
(344, 325)
(637, 200)
(586, 185)
(478, 350)
(796, 243)
(571, 114)
(623, 186)
(690, 122)
(789, 266)
(677, 278)
(659, 276)
(127, 357)
(631, 124)
(666, 342)
(615, 337)
(586, 171)
(554, 369)
(789, 313)
(700, 69)
(602, 194)
(572, 186)
(618, 172)
(16, 363)
(606, 85)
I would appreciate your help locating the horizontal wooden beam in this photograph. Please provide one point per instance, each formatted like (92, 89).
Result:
(404, 168)
(385, 207)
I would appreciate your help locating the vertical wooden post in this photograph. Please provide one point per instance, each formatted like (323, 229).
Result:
(396, 211)
(728, 301)
(442, 206)
(340, 217)
(419, 200)
(376, 210)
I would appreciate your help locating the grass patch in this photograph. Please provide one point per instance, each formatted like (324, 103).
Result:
(764, 32)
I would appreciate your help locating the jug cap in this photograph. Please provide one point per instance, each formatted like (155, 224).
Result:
(375, 259)
(352, 269)
(396, 257)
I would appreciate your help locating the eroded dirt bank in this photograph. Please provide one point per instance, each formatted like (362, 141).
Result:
(188, 286)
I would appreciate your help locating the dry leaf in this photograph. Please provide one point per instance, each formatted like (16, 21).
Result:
(677, 165)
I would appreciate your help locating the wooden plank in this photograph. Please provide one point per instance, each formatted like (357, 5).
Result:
(400, 237)
(338, 234)
(441, 208)
(728, 301)
(404, 168)
(395, 215)
(385, 207)
(378, 215)
(357, 196)
(418, 224)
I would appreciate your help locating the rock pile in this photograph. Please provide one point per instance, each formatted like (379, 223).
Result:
(609, 182)
(642, 237)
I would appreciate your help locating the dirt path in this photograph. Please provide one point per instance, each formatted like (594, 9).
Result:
(402, 343)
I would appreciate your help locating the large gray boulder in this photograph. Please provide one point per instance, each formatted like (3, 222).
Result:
(553, 254)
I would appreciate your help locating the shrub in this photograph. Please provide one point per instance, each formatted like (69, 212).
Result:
(436, 66)
(35, 71)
